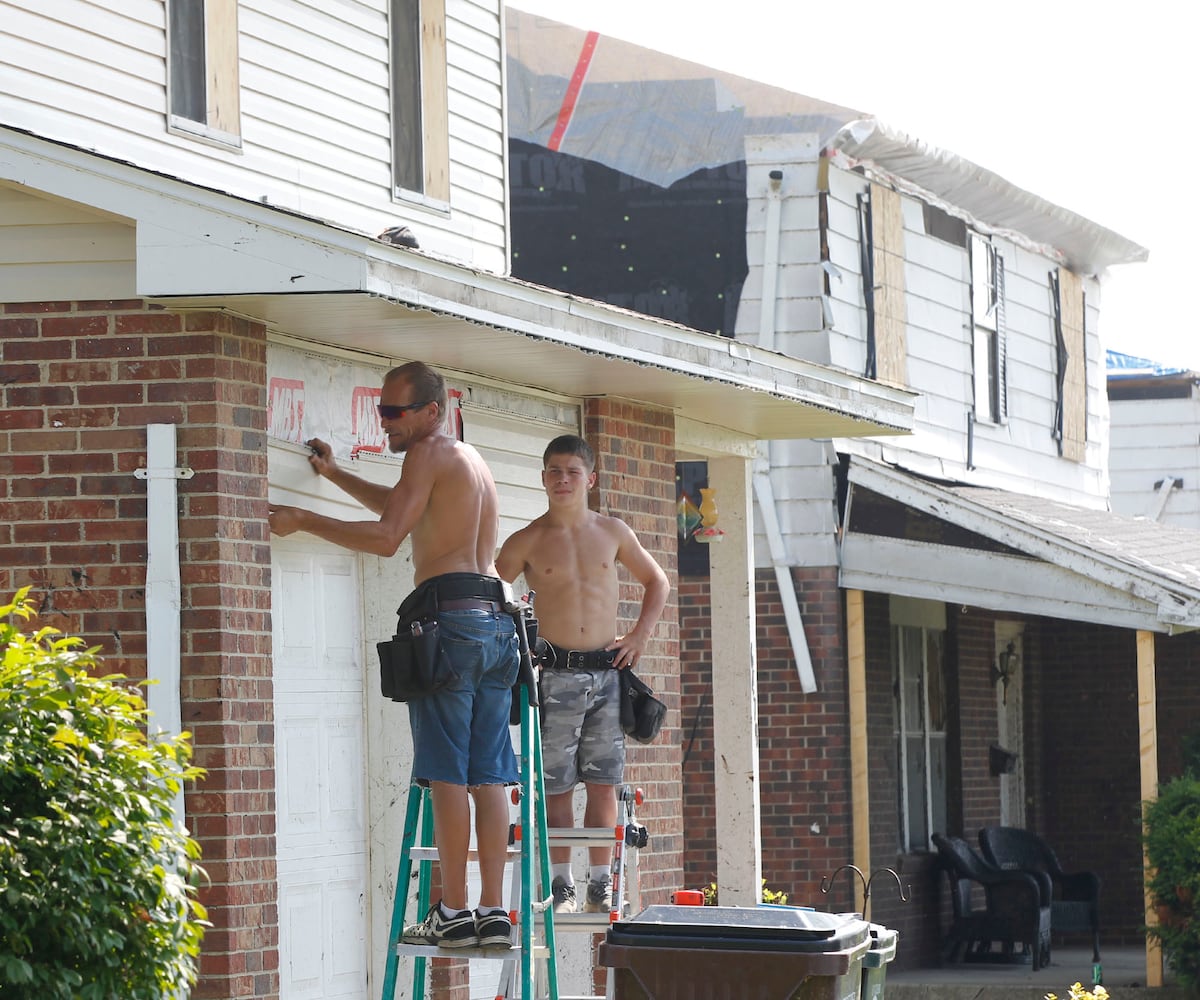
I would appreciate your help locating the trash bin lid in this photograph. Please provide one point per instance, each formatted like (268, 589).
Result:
(769, 928)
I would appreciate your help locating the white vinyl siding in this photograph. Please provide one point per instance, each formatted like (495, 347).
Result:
(1018, 454)
(314, 109)
(1152, 440)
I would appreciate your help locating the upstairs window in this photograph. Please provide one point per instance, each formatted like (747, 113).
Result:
(420, 128)
(919, 690)
(989, 343)
(202, 70)
(1070, 405)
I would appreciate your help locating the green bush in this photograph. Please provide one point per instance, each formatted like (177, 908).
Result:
(1173, 851)
(96, 880)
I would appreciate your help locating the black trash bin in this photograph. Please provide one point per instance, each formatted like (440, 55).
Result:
(749, 952)
(875, 962)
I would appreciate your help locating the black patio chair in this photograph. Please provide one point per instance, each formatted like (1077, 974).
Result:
(1075, 902)
(1016, 909)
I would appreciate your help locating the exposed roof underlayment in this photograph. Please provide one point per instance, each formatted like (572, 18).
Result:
(660, 118)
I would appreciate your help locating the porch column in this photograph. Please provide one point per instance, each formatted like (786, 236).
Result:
(735, 686)
(860, 802)
(1148, 750)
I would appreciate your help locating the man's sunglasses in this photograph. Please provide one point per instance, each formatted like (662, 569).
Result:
(392, 412)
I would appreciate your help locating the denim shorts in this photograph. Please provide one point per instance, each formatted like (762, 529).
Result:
(460, 733)
(582, 738)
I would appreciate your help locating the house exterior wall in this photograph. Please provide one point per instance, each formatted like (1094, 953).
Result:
(1019, 454)
(82, 381)
(315, 118)
(1152, 440)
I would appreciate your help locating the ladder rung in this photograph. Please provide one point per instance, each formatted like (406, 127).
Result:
(433, 951)
(431, 854)
(577, 922)
(581, 834)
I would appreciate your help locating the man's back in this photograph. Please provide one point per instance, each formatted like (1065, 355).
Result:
(457, 530)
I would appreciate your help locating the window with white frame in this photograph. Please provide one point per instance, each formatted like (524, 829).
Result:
(420, 117)
(990, 353)
(202, 70)
(920, 730)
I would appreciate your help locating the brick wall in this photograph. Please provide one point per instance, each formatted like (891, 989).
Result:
(81, 381)
(635, 466)
(803, 747)
(1090, 775)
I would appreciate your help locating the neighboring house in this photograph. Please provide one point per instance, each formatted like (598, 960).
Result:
(192, 287)
(1154, 452)
(953, 631)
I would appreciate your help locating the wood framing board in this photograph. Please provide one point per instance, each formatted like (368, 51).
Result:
(1074, 430)
(891, 342)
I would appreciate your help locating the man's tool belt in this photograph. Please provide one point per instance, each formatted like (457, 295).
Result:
(558, 658)
(410, 663)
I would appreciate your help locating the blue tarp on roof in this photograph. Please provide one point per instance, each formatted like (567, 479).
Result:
(1127, 366)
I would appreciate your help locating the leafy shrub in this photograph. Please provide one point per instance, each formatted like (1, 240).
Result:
(96, 880)
(1173, 850)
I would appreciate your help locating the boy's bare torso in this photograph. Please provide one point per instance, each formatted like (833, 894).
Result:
(573, 571)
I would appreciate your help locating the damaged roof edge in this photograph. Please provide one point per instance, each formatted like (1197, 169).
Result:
(985, 199)
(1178, 602)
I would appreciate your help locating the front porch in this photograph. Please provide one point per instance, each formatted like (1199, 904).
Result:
(1124, 976)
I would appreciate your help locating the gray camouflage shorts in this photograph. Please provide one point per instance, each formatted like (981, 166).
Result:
(581, 729)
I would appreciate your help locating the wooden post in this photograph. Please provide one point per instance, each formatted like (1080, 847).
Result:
(856, 666)
(1148, 750)
(735, 687)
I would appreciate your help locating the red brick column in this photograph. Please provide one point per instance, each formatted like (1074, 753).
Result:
(81, 382)
(635, 465)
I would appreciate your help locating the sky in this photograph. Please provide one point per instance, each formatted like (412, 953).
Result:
(1090, 105)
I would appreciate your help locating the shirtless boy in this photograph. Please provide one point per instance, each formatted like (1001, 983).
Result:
(446, 501)
(569, 557)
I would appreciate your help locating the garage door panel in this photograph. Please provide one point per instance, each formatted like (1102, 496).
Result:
(320, 771)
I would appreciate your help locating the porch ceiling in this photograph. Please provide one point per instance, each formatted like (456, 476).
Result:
(1077, 563)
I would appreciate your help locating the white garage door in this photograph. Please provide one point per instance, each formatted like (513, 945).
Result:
(322, 847)
(343, 757)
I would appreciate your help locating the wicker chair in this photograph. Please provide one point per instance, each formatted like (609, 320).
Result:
(1016, 909)
(1075, 903)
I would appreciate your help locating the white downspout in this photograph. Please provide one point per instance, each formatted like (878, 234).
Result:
(763, 492)
(163, 591)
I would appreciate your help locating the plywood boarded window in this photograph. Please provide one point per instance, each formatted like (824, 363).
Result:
(989, 348)
(1070, 413)
(420, 126)
(887, 298)
(203, 89)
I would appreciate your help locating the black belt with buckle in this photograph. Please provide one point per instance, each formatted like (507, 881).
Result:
(470, 604)
(582, 659)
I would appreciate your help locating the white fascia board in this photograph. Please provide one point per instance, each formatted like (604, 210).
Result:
(988, 580)
(1176, 606)
(199, 243)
